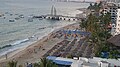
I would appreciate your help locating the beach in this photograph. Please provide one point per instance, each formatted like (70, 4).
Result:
(20, 32)
(27, 42)
(35, 51)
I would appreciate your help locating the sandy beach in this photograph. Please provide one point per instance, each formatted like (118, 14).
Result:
(35, 51)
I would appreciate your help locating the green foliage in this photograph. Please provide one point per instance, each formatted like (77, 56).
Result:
(20, 66)
(95, 7)
(36, 65)
(98, 27)
(12, 64)
(43, 63)
(69, 56)
(113, 54)
(47, 63)
(105, 19)
(91, 6)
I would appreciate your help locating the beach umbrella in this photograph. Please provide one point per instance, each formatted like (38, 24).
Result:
(74, 31)
(64, 31)
(69, 32)
(78, 32)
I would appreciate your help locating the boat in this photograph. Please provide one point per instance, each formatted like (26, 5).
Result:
(17, 18)
(11, 20)
(30, 20)
(21, 16)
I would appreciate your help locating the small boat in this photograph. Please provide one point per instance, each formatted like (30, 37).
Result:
(30, 20)
(42, 28)
(0, 15)
(17, 18)
(4, 17)
(11, 14)
(6, 12)
(11, 20)
(21, 16)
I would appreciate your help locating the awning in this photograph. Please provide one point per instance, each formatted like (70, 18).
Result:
(51, 57)
(62, 62)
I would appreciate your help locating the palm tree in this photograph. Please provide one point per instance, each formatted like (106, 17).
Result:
(47, 63)
(36, 65)
(99, 31)
(12, 64)
(83, 24)
(96, 6)
(90, 7)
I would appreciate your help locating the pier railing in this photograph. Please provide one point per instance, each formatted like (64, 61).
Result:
(58, 17)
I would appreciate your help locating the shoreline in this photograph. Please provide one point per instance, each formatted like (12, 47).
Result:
(38, 38)
(19, 52)
(16, 54)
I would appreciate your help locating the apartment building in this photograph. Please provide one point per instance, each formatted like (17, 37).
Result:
(117, 26)
(112, 9)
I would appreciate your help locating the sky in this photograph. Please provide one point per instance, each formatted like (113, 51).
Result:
(90, 0)
(86, 0)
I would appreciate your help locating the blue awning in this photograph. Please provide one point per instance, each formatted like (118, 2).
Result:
(62, 62)
(51, 57)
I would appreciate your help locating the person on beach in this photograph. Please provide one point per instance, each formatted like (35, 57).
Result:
(6, 56)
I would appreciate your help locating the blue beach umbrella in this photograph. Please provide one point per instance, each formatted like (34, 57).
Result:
(69, 32)
(64, 31)
(78, 32)
(74, 31)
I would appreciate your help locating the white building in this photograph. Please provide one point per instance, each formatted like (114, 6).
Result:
(112, 9)
(115, 1)
(104, 64)
(117, 28)
(85, 62)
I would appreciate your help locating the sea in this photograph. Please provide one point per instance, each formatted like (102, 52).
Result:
(21, 33)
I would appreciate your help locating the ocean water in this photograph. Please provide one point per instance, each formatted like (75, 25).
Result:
(21, 32)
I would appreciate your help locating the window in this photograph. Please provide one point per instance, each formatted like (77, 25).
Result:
(110, 11)
(118, 28)
(114, 11)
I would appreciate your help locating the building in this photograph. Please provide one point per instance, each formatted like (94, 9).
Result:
(104, 64)
(116, 27)
(84, 62)
(114, 1)
(115, 40)
(89, 64)
(117, 31)
(112, 9)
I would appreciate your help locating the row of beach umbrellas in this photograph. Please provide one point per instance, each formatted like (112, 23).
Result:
(76, 32)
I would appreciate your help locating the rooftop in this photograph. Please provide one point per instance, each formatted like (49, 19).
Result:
(115, 40)
(90, 64)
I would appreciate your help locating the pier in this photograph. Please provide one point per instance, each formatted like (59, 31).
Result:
(54, 16)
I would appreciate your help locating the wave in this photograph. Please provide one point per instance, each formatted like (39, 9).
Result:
(9, 32)
(28, 41)
(16, 43)
(5, 46)
(19, 42)
(12, 47)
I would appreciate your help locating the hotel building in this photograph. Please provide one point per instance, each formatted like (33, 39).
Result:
(116, 27)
